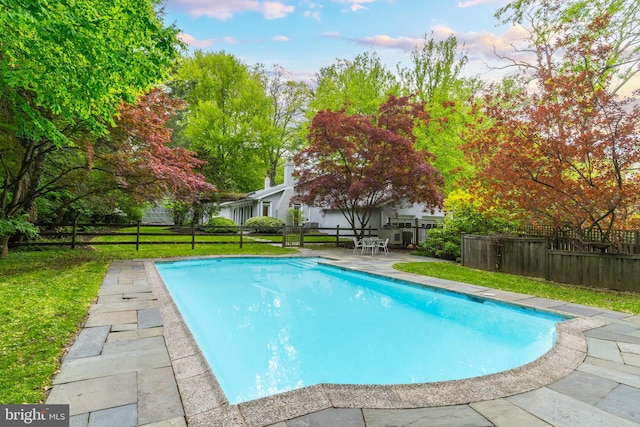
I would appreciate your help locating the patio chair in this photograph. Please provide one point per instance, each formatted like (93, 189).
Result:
(357, 244)
(370, 243)
(382, 244)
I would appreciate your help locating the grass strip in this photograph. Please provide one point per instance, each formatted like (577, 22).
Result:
(626, 302)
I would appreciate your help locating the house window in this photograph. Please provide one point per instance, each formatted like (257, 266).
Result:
(266, 208)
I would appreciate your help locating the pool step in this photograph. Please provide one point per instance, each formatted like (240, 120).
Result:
(303, 263)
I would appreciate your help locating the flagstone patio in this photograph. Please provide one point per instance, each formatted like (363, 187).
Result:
(135, 363)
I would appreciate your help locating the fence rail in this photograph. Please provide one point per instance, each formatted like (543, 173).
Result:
(77, 234)
(74, 235)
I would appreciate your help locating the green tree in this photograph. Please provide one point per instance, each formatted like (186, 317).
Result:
(67, 62)
(465, 214)
(357, 86)
(65, 68)
(434, 77)
(435, 69)
(227, 118)
(289, 102)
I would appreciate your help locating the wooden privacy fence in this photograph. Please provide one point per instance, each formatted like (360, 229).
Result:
(586, 240)
(534, 257)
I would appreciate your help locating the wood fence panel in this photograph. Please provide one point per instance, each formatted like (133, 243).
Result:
(620, 272)
(477, 252)
(525, 257)
(531, 257)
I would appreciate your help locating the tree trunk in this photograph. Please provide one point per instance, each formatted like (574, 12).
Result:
(4, 241)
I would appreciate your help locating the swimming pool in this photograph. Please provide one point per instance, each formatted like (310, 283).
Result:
(270, 325)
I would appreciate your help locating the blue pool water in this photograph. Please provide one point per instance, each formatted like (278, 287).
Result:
(268, 325)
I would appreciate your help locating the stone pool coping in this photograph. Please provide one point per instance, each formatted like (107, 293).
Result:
(203, 400)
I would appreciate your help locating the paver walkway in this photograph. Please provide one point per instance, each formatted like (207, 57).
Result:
(121, 372)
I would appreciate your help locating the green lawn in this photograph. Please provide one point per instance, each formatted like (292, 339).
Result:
(611, 300)
(46, 294)
(308, 238)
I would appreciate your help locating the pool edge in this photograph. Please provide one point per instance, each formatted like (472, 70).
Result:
(203, 399)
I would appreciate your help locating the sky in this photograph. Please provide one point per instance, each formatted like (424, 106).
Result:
(303, 36)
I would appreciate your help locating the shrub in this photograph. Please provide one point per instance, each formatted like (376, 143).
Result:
(442, 243)
(219, 224)
(294, 216)
(464, 216)
(179, 211)
(264, 224)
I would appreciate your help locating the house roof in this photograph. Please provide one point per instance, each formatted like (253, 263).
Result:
(257, 195)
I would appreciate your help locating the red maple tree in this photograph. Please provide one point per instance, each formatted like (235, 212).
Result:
(355, 163)
(140, 159)
(566, 155)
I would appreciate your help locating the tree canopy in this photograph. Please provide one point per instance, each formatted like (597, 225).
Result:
(434, 77)
(289, 102)
(227, 118)
(65, 69)
(359, 85)
(611, 26)
(64, 63)
(566, 154)
(356, 163)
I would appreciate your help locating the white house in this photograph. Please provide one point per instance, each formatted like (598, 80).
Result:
(274, 202)
(270, 201)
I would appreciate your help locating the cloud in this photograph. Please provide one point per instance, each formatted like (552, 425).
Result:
(403, 43)
(189, 40)
(314, 10)
(471, 3)
(355, 5)
(281, 38)
(225, 9)
(313, 15)
(486, 44)
(275, 10)
(483, 48)
(330, 35)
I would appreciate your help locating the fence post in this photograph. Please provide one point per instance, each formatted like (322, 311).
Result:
(369, 231)
(547, 258)
(241, 234)
(74, 233)
(337, 235)
(416, 233)
(193, 235)
(301, 236)
(138, 236)
(284, 236)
